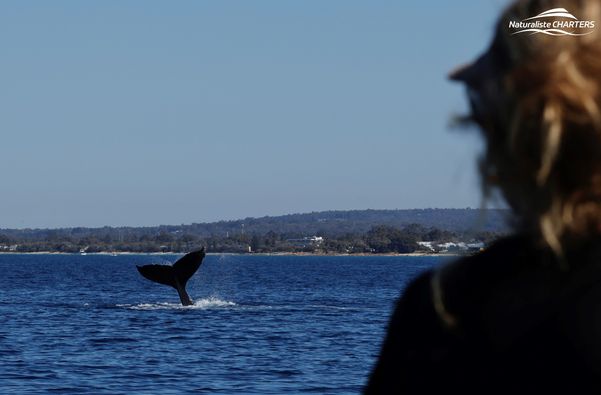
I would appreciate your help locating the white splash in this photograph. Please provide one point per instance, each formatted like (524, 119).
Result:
(201, 304)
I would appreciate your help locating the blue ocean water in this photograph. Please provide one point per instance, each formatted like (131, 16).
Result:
(74, 324)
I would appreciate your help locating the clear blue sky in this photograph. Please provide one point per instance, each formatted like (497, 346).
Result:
(168, 112)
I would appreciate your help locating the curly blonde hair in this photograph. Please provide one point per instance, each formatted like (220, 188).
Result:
(537, 100)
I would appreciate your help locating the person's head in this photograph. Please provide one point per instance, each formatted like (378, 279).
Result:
(537, 99)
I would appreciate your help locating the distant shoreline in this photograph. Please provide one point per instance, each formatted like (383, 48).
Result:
(414, 254)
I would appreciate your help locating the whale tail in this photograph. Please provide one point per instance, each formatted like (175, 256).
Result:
(175, 276)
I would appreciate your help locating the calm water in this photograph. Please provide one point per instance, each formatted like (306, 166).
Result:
(260, 324)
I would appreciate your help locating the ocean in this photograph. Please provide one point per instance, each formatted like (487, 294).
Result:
(74, 324)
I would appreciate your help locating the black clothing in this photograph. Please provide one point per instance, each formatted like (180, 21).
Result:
(511, 319)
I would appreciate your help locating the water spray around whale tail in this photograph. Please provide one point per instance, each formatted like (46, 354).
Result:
(176, 276)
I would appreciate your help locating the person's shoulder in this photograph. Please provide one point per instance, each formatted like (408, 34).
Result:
(505, 250)
(462, 288)
(470, 271)
(502, 259)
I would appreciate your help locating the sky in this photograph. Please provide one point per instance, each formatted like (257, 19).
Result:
(145, 112)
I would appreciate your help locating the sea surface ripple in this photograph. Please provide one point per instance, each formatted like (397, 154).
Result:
(75, 324)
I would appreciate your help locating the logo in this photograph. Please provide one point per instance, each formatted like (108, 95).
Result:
(554, 22)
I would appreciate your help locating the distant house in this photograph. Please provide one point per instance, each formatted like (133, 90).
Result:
(475, 246)
(426, 245)
(311, 241)
(451, 246)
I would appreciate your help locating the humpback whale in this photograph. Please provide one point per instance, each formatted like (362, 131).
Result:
(177, 275)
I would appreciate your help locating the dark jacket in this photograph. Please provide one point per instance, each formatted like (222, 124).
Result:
(511, 319)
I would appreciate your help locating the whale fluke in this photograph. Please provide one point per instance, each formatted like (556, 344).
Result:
(175, 276)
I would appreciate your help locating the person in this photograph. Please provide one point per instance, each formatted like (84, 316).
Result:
(524, 315)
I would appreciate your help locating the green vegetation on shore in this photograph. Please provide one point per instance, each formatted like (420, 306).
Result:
(365, 231)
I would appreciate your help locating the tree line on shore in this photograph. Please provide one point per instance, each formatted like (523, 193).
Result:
(379, 239)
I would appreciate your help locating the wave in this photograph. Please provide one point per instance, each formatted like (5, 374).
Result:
(216, 303)
(201, 304)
